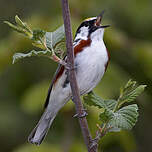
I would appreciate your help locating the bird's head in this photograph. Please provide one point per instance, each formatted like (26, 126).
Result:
(91, 28)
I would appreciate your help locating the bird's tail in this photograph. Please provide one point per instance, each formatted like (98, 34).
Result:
(39, 132)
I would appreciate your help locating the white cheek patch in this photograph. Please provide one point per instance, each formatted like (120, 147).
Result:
(84, 30)
(83, 34)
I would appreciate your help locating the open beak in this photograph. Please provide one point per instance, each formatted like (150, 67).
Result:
(99, 19)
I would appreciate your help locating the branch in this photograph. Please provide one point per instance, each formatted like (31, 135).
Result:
(72, 78)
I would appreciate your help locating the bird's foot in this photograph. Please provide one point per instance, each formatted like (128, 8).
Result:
(69, 67)
(81, 115)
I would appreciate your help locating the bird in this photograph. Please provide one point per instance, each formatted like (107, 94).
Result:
(91, 59)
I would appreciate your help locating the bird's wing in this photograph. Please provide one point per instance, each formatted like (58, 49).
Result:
(60, 69)
(56, 76)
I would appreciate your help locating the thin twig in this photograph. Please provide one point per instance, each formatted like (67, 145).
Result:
(72, 77)
(101, 132)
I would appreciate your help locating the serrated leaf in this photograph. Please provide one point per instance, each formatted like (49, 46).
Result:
(53, 38)
(18, 56)
(131, 96)
(124, 118)
(110, 103)
(93, 100)
(130, 84)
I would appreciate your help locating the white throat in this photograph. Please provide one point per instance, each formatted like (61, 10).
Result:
(97, 35)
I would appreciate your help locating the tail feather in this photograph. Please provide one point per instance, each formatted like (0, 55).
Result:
(39, 132)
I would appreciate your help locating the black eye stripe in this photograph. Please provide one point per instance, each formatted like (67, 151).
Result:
(94, 28)
(86, 23)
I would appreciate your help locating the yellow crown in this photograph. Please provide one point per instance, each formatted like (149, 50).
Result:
(90, 18)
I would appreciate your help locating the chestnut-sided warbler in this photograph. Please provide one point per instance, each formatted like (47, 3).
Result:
(91, 60)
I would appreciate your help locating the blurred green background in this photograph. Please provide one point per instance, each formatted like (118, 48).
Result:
(24, 85)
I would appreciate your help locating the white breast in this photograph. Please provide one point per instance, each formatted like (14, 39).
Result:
(91, 66)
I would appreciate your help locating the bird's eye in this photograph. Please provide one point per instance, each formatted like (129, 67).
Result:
(89, 23)
(86, 24)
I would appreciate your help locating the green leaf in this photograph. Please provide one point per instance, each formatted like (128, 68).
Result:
(60, 49)
(131, 95)
(106, 115)
(20, 27)
(130, 84)
(113, 117)
(19, 22)
(38, 35)
(124, 118)
(52, 42)
(93, 100)
(18, 56)
(39, 45)
(128, 87)
(53, 38)
(22, 24)
(14, 27)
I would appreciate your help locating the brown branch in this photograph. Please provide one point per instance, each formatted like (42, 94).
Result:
(72, 78)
